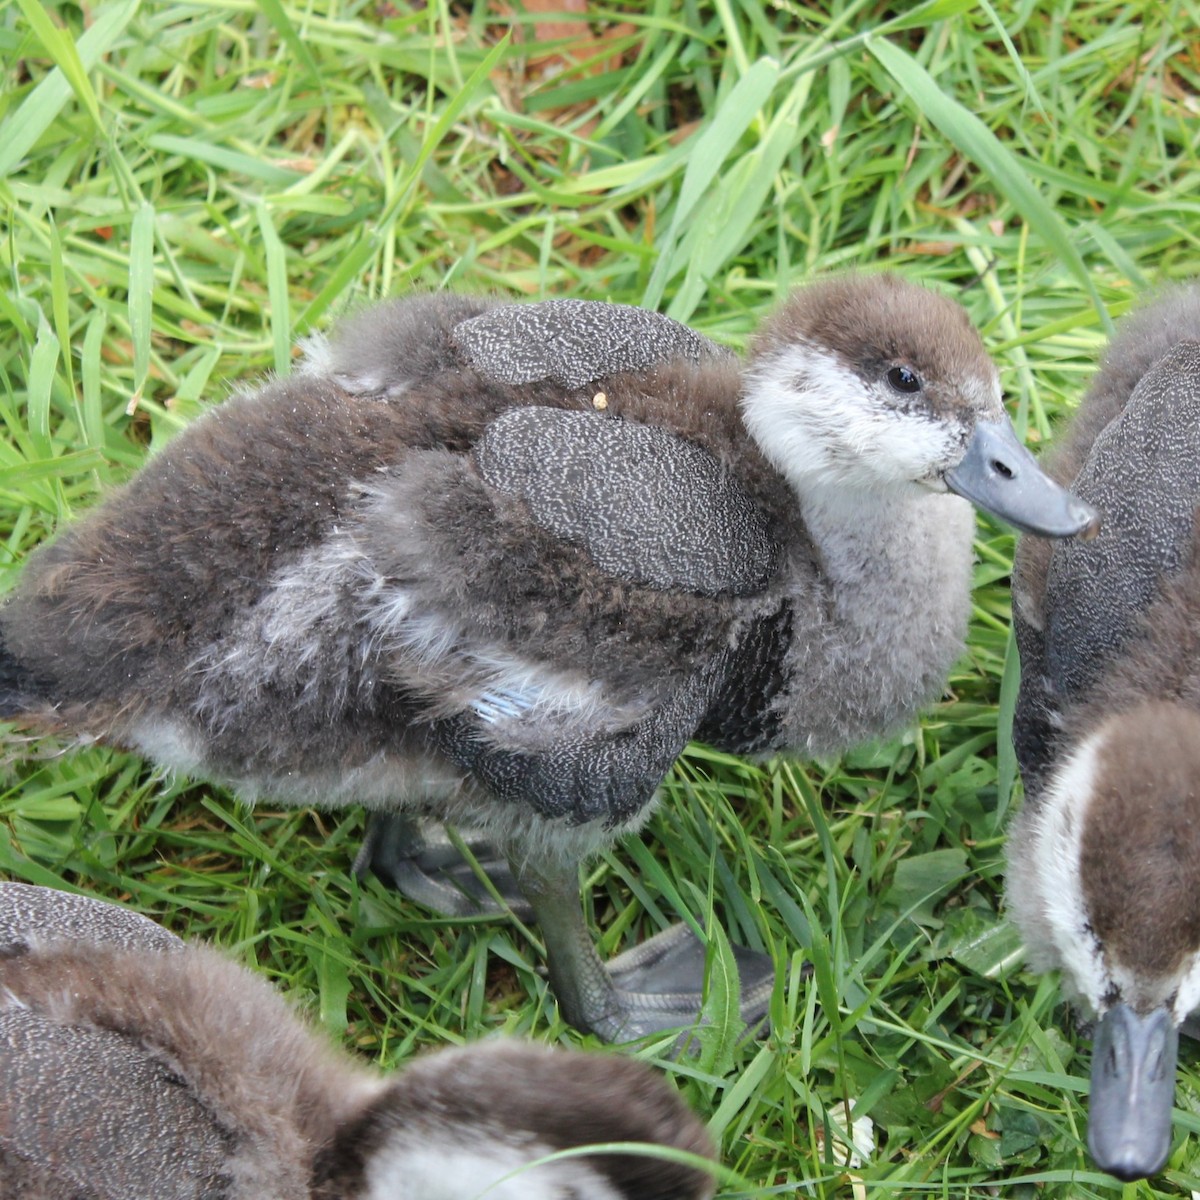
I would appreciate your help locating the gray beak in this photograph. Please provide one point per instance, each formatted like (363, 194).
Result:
(998, 474)
(1133, 1086)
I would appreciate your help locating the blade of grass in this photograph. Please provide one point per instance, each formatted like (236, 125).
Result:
(981, 147)
(37, 113)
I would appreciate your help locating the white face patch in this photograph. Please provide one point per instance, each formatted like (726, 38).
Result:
(1187, 999)
(1046, 901)
(1044, 890)
(487, 1169)
(823, 426)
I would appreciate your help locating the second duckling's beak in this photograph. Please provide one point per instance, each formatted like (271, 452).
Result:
(998, 474)
(1133, 1086)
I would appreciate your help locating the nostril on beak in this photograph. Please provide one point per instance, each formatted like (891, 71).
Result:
(1003, 469)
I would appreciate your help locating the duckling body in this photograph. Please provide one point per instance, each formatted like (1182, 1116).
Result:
(133, 1065)
(500, 563)
(1104, 860)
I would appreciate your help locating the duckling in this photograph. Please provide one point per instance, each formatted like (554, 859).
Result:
(135, 1065)
(498, 564)
(1104, 859)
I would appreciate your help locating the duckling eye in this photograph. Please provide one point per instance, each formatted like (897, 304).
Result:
(903, 380)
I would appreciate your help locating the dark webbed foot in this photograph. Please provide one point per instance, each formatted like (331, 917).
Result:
(661, 983)
(419, 859)
(656, 986)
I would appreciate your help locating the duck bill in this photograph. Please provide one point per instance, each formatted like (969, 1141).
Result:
(1133, 1086)
(998, 474)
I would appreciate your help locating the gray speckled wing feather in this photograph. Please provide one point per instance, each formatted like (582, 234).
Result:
(610, 777)
(649, 507)
(99, 1117)
(42, 913)
(574, 342)
(1144, 474)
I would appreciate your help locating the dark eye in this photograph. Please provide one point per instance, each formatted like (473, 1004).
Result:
(904, 380)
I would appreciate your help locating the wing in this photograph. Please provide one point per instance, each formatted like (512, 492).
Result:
(40, 913)
(574, 342)
(1144, 474)
(604, 548)
(583, 774)
(572, 582)
(569, 342)
(650, 508)
(86, 1113)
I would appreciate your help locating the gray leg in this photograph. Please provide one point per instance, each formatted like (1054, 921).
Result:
(656, 986)
(587, 997)
(415, 856)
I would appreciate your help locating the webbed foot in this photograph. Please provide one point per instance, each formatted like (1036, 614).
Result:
(417, 857)
(660, 984)
(656, 986)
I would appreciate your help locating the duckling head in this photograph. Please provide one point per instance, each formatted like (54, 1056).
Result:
(494, 1120)
(1104, 882)
(873, 383)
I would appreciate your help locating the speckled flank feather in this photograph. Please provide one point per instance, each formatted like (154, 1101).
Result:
(574, 342)
(598, 483)
(133, 1066)
(37, 913)
(1143, 337)
(1109, 633)
(1144, 473)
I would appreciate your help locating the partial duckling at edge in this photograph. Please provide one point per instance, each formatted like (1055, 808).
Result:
(135, 1065)
(1104, 859)
(498, 563)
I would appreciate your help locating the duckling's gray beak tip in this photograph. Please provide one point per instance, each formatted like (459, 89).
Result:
(1133, 1088)
(998, 474)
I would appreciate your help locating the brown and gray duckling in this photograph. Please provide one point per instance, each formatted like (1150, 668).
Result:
(498, 563)
(133, 1065)
(1104, 859)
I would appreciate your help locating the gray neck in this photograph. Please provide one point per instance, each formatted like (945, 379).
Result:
(895, 576)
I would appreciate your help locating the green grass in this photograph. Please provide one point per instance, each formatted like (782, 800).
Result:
(188, 187)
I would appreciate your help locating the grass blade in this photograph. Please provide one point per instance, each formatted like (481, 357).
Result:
(980, 146)
(20, 132)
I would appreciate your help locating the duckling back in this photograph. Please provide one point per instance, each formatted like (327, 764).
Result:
(1104, 858)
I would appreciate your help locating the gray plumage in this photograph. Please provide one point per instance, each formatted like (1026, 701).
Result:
(1144, 474)
(575, 342)
(399, 579)
(1078, 603)
(133, 1066)
(1104, 858)
(602, 484)
(32, 911)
